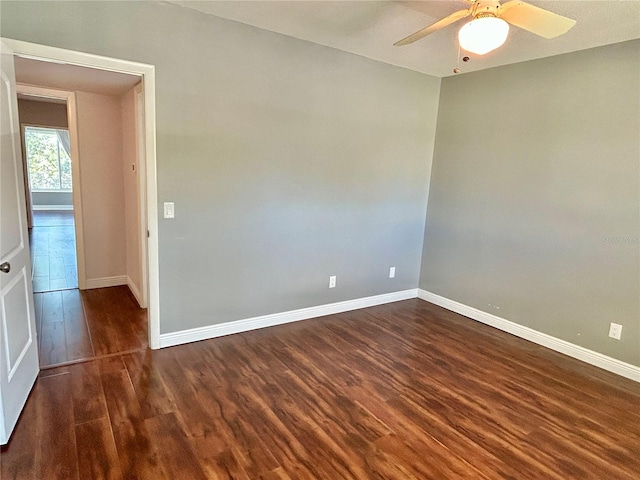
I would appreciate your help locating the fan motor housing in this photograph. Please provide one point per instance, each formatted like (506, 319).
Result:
(485, 7)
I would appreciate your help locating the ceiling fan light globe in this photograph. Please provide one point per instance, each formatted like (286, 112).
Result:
(483, 35)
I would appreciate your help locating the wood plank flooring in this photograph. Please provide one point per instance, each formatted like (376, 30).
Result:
(53, 251)
(76, 325)
(400, 391)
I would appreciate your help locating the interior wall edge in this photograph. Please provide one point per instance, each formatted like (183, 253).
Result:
(431, 157)
(135, 291)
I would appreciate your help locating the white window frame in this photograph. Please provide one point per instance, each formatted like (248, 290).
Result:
(26, 126)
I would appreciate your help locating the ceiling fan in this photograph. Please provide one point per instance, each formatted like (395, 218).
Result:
(489, 27)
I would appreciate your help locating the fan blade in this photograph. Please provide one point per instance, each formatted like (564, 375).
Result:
(534, 19)
(446, 21)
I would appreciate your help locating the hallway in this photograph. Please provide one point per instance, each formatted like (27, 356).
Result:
(53, 251)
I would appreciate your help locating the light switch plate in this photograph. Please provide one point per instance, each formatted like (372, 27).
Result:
(169, 210)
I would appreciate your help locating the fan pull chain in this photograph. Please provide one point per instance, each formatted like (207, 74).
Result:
(457, 69)
(464, 59)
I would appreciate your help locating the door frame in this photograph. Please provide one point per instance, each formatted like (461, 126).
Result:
(72, 126)
(139, 121)
(147, 72)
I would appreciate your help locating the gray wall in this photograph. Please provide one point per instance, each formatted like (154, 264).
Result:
(51, 198)
(534, 204)
(287, 161)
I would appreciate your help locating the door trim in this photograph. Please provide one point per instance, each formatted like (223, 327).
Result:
(143, 296)
(147, 72)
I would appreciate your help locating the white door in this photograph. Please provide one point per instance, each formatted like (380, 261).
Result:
(18, 346)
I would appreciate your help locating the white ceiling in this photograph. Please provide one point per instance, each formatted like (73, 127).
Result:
(369, 28)
(73, 77)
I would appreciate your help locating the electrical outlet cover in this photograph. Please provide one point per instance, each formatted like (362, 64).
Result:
(615, 331)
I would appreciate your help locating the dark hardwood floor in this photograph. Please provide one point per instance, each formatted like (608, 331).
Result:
(400, 391)
(53, 251)
(76, 325)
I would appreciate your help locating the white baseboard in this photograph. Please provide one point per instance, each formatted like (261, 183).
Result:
(562, 346)
(105, 282)
(134, 289)
(39, 208)
(228, 328)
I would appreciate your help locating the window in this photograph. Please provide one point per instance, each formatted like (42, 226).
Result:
(48, 158)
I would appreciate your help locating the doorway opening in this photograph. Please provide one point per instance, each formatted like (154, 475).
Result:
(47, 156)
(95, 292)
(102, 310)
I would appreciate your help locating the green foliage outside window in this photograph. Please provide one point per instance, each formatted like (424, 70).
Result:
(49, 163)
